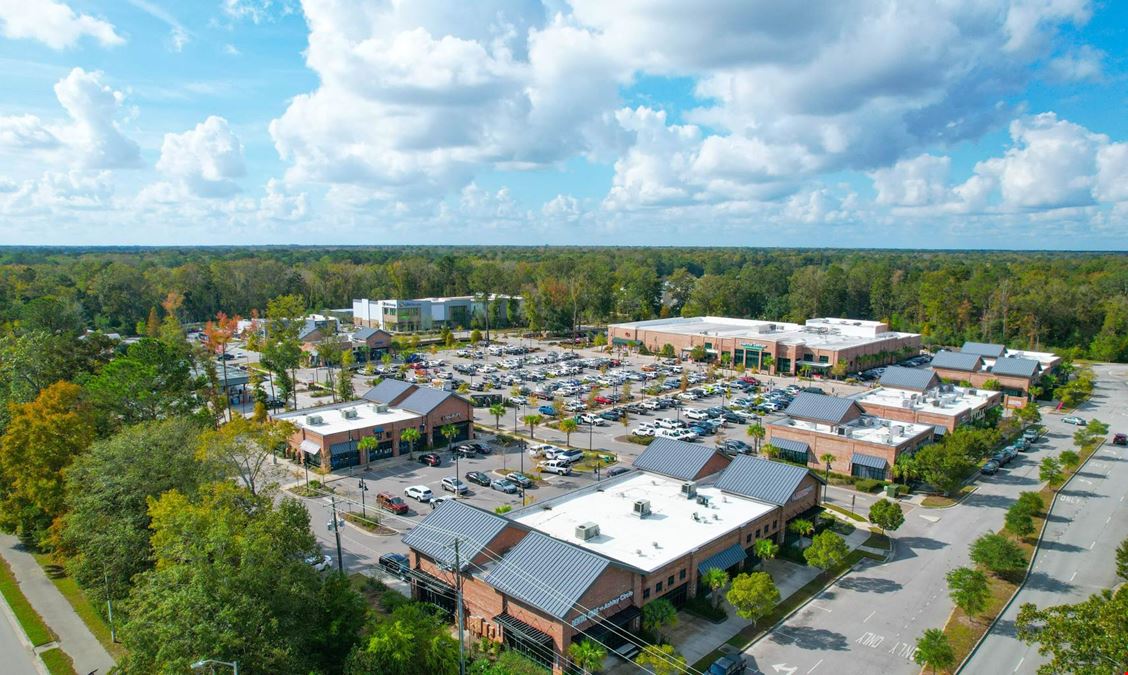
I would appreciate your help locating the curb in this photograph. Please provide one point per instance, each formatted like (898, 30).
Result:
(22, 636)
(950, 506)
(1029, 566)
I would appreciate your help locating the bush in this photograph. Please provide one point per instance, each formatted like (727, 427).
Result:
(1000, 555)
(641, 440)
(868, 484)
(700, 606)
(392, 599)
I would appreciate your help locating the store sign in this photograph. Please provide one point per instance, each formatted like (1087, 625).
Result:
(452, 416)
(592, 613)
(802, 493)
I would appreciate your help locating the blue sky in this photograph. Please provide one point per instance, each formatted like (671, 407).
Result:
(987, 123)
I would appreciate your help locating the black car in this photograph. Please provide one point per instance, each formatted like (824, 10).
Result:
(430, 459)
(465, 450)
(617, 471)
(520, 479)
(274, 403)
(478, 478)
(480, 448)
(395, 563)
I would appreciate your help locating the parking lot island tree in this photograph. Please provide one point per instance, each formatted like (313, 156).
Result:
(933, 651)
(1050, 472)
(968, 589)
(887, 515)
(498, 411)
(532, 421)
(998, 554)
(827, 549)
(1087, 637)
(568, 426)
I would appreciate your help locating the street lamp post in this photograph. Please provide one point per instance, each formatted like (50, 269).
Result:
(363, 488)
(199, 665)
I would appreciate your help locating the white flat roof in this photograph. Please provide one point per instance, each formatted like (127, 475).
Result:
(867, 428)
(670, 532)
(953, 403)
(333, 418)
(828, 333)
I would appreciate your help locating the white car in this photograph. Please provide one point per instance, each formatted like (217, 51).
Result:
(643, 431)
(650, 404)
(541, 450)
(697, 414)
(320, 562)
(519, 400)
(556, 466)
(1075, 420)
(667, 423)
(420, 493)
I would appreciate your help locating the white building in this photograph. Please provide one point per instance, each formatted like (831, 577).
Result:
(421, 314)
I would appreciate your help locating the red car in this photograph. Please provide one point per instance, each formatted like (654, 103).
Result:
(390, 502)
(750, 380)
(430, 459)
(602, 400)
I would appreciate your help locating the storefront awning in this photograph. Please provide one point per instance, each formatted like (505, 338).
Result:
(813, 364)
(940, 430)
(310, 447)
(511, 623)
(725, 559)
(868, 460)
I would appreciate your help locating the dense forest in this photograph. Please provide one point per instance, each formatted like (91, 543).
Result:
(1064, 301)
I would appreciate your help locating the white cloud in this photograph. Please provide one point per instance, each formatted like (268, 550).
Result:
(1084, 63)
(205, 160)
(178, 38)
(75, 190)
(25, 132)
(94, 138)
(257, 11)
(920, 181)
(1112, 173)
(53, 23)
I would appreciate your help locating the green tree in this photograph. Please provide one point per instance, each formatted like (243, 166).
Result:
(1019, 520)
(943, 466)
(968, 589)
(498, 411)
(411, 436)
(827, 459)
(150, 381)
(887, 515)
(229, 563)
(659, 614)
(698, 353)
(475, 336)
(756, 432)
(1049, 472)
(661, 660)
(568, 426)
(753, 595)
(1122, 560)
(934, 651)
(345, 390)
(766, 549)
(998, 554)
(1089, 638)
(532, 421)
(1030, 502)
(827, 549)
(243, 446)
(667, 351)
(448, 432)
(588, 655)
(1029, 413)
(715, 579)
(43, 438)
(413, 639)
(283, 351)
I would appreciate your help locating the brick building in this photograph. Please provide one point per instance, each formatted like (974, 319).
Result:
(862, 445)
(817, 345)
(582, 565)
(918, 396)
(1016, 371)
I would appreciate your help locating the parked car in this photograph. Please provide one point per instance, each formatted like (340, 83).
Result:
(732, 664)
(617, 471)
(1120, 439)
(558, 466)
(1075, 420)
(547, 410)
(1010, 452)
(520, 479)
(430, 459)
(999, 458)
(1031, 434)
(464, 450)
(502, 485)
(570, 456)
(435, 501)
(478, 478)
(735, 446)
(453, 484)
(420, 493)
(990, 467)
(320, 562)
(391, 502)
(610, 416)
(395, 563)
(518, 400)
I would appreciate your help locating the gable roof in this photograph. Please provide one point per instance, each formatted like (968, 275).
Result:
(763, 479)
(964, 361)
(425, 399)
(475, 528)
(1016, 367)
(823, 408)
(364, 332)
(387, 391)
(913, 379)
(988, 349)
(308, 328)
(521, 573)
(673, 458)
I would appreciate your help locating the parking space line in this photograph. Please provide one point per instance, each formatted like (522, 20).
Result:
(870, 616)
(814, 666)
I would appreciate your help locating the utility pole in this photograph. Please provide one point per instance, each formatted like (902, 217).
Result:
(110, 610)
(337, 534)
(458, 595)
(363, 489)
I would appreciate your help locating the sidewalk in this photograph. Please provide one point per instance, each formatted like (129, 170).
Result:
(74, 637)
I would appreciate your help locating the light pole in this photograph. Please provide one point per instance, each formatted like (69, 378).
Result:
(363, 489)
(199, 665)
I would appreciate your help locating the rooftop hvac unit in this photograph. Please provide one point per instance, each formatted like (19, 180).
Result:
(703, 500)
(587, 531)
(689, 489)
(907, 403)
(642, 507)
(349, 413)
(380, 408)
(841, 431)
(314, 419)
(972, 392)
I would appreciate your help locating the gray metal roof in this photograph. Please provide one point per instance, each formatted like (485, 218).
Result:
(387, 391)
(966, 362)
(425, 399)
(790, 445)
(547, 573)
(868, 460)
(308, 328)
(723, 559)
(913, 379)
(364, 332)
(673, 458)
(822, 408)
(762, 479)
(987, 349)
(474, 527)
(1016, 367)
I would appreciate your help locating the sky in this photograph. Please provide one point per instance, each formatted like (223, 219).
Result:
(829, 123)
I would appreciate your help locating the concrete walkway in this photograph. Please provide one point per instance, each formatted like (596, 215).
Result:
(75, 638)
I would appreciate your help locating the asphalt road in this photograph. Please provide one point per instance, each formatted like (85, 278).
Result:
(869, 621)
(1077, 556)
(18, 659)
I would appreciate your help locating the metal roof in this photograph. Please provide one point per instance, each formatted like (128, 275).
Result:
(964, 361)
(387, 391)
(763, 479)
(1016, 367)
(474, 528)
(547, 573)
(868, 460)
(673, 458)
(725, 559)
(425, 399)
(790, 445)
(822, 408)
(364, 332)
(914, 379)
(987, 349)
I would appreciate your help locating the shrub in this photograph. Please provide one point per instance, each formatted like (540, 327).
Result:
(998, 554)
(641, 440)
(867, 484)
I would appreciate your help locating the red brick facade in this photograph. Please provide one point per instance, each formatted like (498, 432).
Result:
(843, 447)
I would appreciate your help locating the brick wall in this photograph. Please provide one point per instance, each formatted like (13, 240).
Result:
(843, 448)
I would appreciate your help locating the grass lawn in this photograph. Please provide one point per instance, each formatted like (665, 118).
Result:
(81, 604)
(369, 524)
(57, 662)
(33, 625)
(877, 540)
(845, 512)
(942, 501)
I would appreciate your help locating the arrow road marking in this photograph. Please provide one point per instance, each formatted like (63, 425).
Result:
(784, 668)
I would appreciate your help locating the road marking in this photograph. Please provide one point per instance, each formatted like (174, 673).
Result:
(814, 666)
(1019, 665)
(871, 640)
(784, 668)
(903, 649)
(870, 616)
(1092, 544)
(1108, 520)
(1072, 577)
(819, 607)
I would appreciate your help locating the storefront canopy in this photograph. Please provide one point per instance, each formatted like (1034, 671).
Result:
(311, 447)
(725, 559)
(868, 460)
(524, 630)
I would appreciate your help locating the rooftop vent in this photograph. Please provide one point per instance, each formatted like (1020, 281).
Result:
(349, 413)
(703, 500)
(587, 531)
(380, 408)
(689, 489)
(314, 419)
(642, 507)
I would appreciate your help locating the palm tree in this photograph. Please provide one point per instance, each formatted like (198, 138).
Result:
(766, 549)
(412, 436)
(827, 458)
(497, 410)
(368, 444)
(756, 431)
(770, 451)
(588, 655)
(568, 426)
(532, 421)
(715, 579)
(801, 527)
